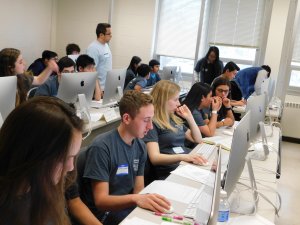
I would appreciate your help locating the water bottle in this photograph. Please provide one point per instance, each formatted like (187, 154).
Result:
(224, 208)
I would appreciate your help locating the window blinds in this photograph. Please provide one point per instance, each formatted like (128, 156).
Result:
(178, 28)
(236, 22)
(296, 50)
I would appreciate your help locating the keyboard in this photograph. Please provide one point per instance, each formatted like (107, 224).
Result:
(206, 150)
(201, 201)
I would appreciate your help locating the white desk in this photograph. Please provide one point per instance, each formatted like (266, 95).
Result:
(263, 177)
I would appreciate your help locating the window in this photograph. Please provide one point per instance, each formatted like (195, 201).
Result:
(295, 64)
(177, 31)
(236, 27)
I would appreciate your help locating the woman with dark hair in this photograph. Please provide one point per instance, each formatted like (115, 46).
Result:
(209, 67)
(221, 89)
(199, 100)
(132, 69)
(13, 64)
(38, 143)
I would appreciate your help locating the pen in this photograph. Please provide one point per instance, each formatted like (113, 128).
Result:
(167, 215)
(168, 219)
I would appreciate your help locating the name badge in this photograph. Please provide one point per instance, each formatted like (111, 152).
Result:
(178, 150)
(106, 55)
(122, 170)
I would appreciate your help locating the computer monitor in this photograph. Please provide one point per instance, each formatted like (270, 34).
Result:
(268, 87)
(238, 153)
(213, 206)
(114, 84)
(169, 73)
(8, 91)
(72, 84)
(256, 104)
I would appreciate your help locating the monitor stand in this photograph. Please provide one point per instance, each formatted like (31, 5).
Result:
(261, 150)
(239, 206)
(83, 108)
(120, 92)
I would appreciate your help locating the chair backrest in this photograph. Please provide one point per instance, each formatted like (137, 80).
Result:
(31, 92)
(80, 165)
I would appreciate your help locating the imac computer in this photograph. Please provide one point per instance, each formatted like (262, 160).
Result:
(73, 84)
(236, 164)
(257, 106)
(8, 91)
(113, 90)
(202, 216)
(171, 73)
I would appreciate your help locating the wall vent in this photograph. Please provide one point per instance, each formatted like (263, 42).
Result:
(290, 120)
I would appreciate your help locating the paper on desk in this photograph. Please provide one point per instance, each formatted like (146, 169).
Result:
(249, 220)
(196, 173)
(225, 142)
(136, 221)
(171, 190)
(96, 116)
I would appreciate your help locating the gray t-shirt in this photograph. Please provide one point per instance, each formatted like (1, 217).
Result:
(110, 159)
(169, 142)
(199, 117)
(141, 81)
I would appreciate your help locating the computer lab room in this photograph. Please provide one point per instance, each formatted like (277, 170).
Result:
(149, 112)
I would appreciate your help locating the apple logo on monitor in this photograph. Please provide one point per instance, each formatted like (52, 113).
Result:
(82, 83)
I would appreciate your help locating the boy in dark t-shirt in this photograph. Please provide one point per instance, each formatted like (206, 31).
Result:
(114, 169)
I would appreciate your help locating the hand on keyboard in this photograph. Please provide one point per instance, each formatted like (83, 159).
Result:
(153, 202)
(194, 158)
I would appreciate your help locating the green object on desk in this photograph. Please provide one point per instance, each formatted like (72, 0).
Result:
(168, 219)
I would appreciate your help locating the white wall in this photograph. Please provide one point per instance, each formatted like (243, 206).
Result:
(77, 21)
(27, 25)
(275, 42)
(132, 28)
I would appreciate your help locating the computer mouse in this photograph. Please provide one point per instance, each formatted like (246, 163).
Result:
(227, 132)
(169, 211)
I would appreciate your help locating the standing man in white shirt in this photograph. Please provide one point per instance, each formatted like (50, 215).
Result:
(99, 50)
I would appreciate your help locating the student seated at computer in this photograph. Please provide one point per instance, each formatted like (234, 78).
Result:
(221, 89)
(154, 76)
(165, 143)
(131, 71)
(140, 81)
(78, 212)
(13, 64)
(39, 141)
(41, 63)
(199, 100)
(85, 63)
(50, 87)
(114, 168)
(250, 79)
(72, 49)
(229, 72)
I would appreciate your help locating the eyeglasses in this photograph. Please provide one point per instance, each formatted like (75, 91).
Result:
(221, 90)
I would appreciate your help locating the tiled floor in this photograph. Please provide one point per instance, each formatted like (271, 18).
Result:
(289, 185)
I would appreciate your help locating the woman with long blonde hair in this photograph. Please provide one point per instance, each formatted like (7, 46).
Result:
(165, 143)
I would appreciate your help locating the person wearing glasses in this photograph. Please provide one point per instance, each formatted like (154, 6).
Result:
(221, 89)
(99, 50)
(229, 72)
(50, 87)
